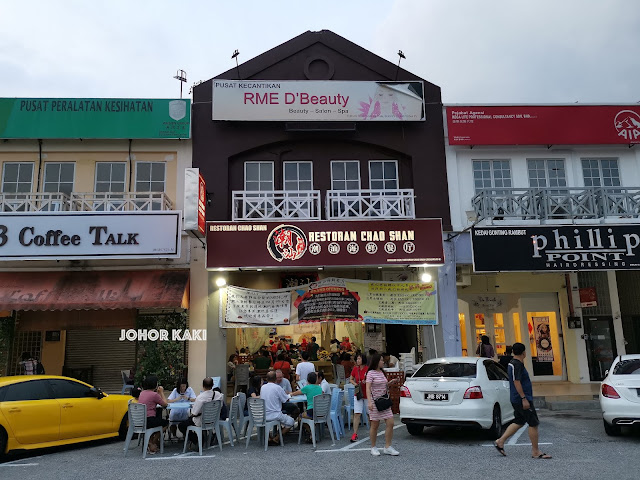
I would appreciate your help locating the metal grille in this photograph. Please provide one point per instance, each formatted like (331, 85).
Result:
(628, 286)
(24, 342)
(599, 281)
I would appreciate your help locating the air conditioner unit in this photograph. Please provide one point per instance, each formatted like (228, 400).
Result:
(463, 275)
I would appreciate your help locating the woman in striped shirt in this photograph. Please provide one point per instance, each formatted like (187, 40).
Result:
(377, 386)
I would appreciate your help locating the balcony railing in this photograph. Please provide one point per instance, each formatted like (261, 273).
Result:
(92, 202)
(370, 204)
(557, 203)
(276, 205)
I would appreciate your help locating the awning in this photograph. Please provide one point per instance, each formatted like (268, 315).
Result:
(94, 290)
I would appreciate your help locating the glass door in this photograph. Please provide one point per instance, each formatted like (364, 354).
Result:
(491, 325)
(601, 345)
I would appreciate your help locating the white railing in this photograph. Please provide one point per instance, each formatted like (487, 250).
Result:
(34, 202)
(120, 201)
(370, 204)
(84, 202)
(276, 205)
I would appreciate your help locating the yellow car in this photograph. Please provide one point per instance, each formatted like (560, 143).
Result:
(38, 411)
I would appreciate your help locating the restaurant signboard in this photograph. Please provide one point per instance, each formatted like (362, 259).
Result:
(309, 100)
(319, 243)
(556, 248)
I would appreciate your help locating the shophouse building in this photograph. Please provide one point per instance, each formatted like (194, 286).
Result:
(325, 161)
(544, 207)
(91, 228)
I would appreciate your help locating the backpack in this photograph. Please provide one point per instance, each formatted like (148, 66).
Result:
(39, 368)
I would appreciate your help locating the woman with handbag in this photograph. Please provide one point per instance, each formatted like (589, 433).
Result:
(379, 405)
(358, 378)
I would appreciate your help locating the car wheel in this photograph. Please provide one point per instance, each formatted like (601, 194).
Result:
(3, 444)
(415, 429)
(496, 427)
(611, 430)
(124, 427)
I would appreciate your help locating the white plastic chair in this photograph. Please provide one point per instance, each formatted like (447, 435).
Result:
(242, 376)
(125, 378)
(321, 415)
(337, 400)
(137, 414)
(231, 423)
(210, 415)
(340, 375)
(257, 419)
(349, 406)
(243, 420)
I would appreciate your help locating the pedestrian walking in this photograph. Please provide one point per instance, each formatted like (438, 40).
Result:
(522, 401)
(379, 406)
(485, 349)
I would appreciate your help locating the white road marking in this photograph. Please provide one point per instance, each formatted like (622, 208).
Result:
(342, 450)
(351, 446)
(516, 436)
(11, 464)
(181, 456)
(518, 444)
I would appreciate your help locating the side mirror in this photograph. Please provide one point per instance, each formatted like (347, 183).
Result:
(96, 392)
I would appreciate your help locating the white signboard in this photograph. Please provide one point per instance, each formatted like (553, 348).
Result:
(259, 307)
(89, 235)
(309, 100)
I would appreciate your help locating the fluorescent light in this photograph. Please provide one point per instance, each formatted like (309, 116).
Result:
(221, 282)
(426, 277)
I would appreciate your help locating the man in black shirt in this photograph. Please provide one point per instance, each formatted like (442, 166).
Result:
(522, 401)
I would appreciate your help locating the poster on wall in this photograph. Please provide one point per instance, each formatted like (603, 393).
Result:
(331, 299)
(588, 297)
(257, 307)
(543, 339)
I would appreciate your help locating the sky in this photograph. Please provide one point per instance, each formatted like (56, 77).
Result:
(477, 51)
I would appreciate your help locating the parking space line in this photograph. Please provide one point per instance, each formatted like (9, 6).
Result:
(11, 464)
(513, 440)
(342, 450)
(518, 444)
(181, 456)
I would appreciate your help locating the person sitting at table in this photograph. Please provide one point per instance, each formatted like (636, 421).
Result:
(231, 366)
(152, 395)
(289, 408)
(262, 362)
(390, 361)
(274, 397)
(311, 389)
(195, 418)
(303, 369)
(182, 393)
(324, 385)
(283, 365)
(255, 385)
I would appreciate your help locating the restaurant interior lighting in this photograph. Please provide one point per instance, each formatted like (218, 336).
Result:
(221, 282)
(426, 277)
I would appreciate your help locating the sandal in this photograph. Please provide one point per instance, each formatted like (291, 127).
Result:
(500, 449)
(543, 456)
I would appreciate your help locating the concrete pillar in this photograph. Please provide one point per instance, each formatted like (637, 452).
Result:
(615, 312)
(198, 298)
(448, 304)
(575, 346)
(216, 359)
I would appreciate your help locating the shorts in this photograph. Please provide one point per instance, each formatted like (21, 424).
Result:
(522, 416)
(153, 422)
(359, 405)
(284, 419)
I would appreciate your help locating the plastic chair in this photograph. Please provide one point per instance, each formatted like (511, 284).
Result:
(337, 400)
(340, 376)
(349, 406)
(216, 382)
(257, 419)
(125, 378)
(321, 416)
(243, 420)
(242, 376)
(210, 416)
(231, 422)
(137, 414)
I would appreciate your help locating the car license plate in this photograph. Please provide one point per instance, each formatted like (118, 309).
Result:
(442, 397)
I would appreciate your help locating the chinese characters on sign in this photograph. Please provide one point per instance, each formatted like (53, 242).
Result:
(257, 307)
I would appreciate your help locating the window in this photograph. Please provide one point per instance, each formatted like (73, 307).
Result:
(546, 172)
(627, 367)
(110, 177)
(58, 177)
(600, 172)
(150, 176)
(298, 176)
(345, 175)
(25, 391)
(17, 177)
(491, 174)
(69, 389)
(258, 176)
(383, 175)
(450, 370)
(495, 371)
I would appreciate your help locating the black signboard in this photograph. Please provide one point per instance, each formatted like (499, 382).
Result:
(556, 248)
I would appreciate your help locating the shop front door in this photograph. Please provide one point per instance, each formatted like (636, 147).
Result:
(601, 345)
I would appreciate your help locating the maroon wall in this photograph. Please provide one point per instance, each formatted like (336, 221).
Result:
(220, 148)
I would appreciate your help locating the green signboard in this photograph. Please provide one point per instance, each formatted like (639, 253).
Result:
(94, 118)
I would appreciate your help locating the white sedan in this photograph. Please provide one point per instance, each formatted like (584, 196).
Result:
(457, 391)
(620, 394)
